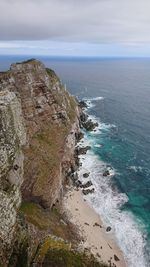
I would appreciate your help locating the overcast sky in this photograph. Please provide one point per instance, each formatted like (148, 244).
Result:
(75, 27)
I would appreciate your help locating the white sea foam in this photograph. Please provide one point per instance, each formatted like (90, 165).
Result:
(135, 168)
(101, 126)
(94, 98)
(90, 100)
(107, 201)
(98, 145)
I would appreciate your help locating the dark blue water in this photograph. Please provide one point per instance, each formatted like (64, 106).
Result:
(123, 139)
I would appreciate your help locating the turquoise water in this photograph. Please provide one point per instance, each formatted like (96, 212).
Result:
(118, 93)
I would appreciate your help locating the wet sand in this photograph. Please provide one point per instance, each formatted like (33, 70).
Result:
(100, 242)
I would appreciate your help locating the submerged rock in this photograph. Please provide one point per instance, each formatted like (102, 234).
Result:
(108, 229)
(89, 125)
(86, 185)
(106, 173)
(83, 150)
(88, 191)
(83, 104)
(86, 175)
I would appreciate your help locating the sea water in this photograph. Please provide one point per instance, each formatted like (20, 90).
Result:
(117, 92)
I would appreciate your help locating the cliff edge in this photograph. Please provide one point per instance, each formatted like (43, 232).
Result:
(39, 122)
(39, 129)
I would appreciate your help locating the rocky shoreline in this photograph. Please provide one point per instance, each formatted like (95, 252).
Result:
(94, 235)
(88, 125)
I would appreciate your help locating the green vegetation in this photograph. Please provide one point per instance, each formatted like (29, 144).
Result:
(54, 251)
(57, 253)
(69, 258)
(53, 220)
(50, 244)
(44, 158)
(20, 258)
(47, 147)
(41, 218)
(52, 75)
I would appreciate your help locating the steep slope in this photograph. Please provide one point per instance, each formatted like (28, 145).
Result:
(39, 129)
(39, 122)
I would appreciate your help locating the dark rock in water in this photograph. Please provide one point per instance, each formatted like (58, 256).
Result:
(83, 104)
(83, 150)
(106, 173)
(116, 258)
(88, 184)
(74, 177)
(79, 136)
(83, 117)
(78, 183)
(86, 175)
(108, 229)
(88, 191)
(89, 125)
(77, 162)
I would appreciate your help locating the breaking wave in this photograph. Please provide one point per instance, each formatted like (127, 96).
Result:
(108, 202)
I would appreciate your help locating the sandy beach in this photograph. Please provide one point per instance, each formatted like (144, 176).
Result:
(100, 242)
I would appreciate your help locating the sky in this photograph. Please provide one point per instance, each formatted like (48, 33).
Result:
(94, 28)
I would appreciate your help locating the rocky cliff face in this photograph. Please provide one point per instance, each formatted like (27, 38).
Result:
(12, 137)
(39, 125)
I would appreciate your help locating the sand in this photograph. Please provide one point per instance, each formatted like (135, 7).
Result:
(101, 243)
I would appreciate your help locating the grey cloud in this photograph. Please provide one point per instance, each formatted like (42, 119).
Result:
(76, 20)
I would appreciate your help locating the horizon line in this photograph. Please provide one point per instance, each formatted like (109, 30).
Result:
(75, 57)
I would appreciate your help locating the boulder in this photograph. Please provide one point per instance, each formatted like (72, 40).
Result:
(78, 183)
(83, 104)
(88, 191)
(86, 175)
(79, 136)
(108, 229)
(83, 150)
(86, 185)
(116, 258)
(106, 173)
(89, 125)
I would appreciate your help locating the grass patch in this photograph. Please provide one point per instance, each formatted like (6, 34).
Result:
(57, 253)
(52, 220)
(50, 244)
(69, 258)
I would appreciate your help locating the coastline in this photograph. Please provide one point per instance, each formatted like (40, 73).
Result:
(93, 232)
(96, 237)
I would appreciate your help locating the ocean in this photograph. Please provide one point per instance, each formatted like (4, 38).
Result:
(118, 95)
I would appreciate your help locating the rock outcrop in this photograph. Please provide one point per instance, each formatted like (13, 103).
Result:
(39, 129)
(39, 125)
(12, 138)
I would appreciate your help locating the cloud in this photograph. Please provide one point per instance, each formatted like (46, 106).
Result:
(91, 21)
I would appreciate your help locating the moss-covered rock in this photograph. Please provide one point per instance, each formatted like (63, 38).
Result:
(54, 252)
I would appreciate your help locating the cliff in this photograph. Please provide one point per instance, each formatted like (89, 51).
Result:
(39, 129)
